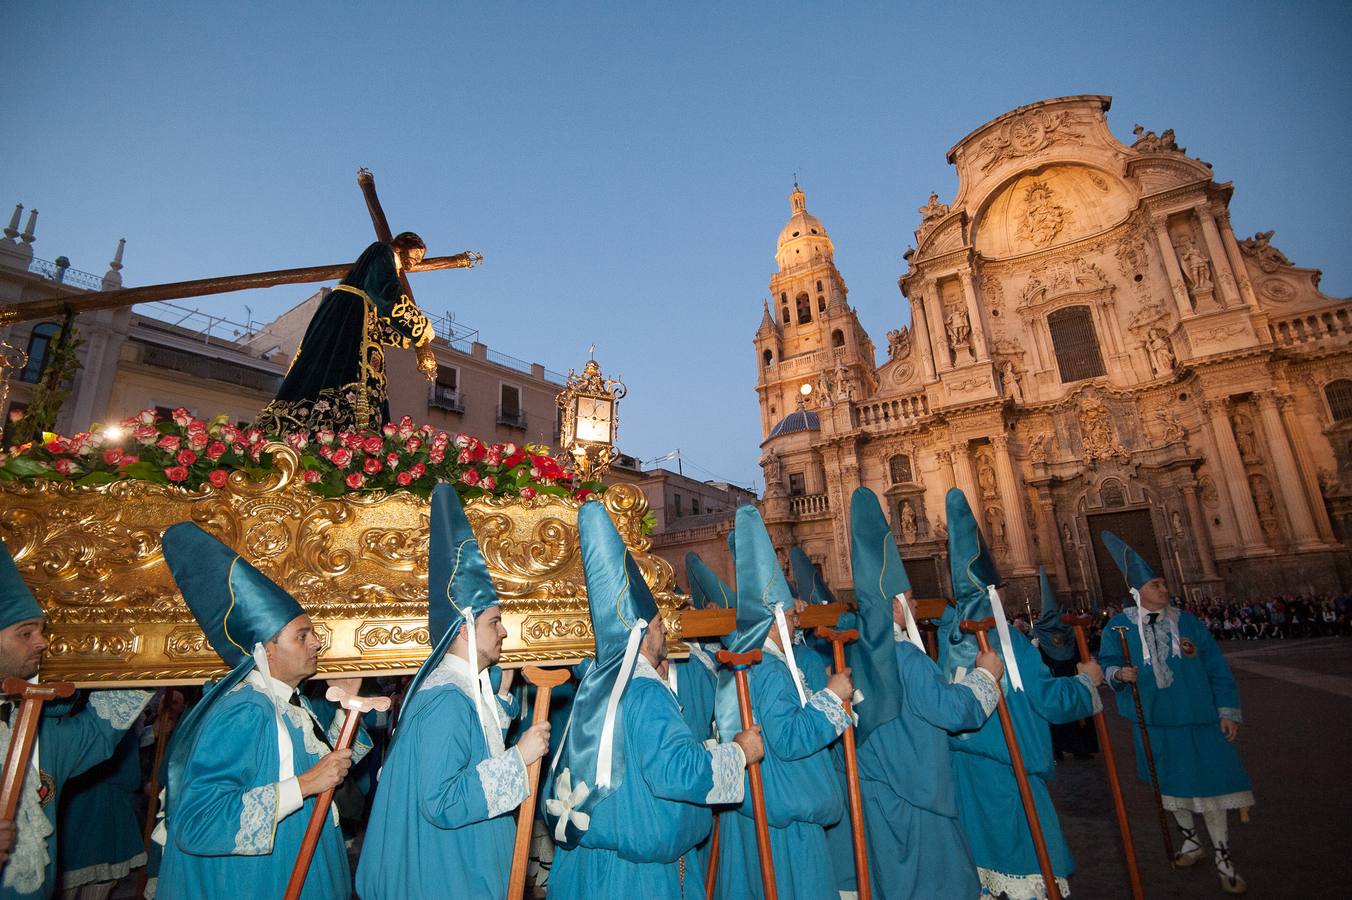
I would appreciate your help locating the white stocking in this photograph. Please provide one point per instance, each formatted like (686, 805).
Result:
(1217, 826)
(1184, 818)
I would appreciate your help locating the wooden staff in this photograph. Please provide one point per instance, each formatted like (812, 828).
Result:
(545, 680)
(170, 705)
(24, 732)
(838, 640)
(1044, 860)
(739, 663)
(1079, 623)
(1149, 753)
(711, 873)
(355, 707)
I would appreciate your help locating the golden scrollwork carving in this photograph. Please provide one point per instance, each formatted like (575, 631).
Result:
(93, 558)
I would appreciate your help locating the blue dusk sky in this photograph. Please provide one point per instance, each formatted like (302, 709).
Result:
(625, 167)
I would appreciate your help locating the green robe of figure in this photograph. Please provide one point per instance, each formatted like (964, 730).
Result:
(337, 377)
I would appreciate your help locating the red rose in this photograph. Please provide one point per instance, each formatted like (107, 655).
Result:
(355, 480)
(406, 422)
(215, 450)
(128, 460)
(582, 494)
(198, 440)
(373, 445)
(469, 476)
(66, 467)
(55, 446)
(146, 417)
(310, 476)
(350, 440)
(391, 458)
(253, 436)
(181, 417)
(297, 441)
(169, 442)
(426, 430)
(435, 456)
(464, 457)
(112, 456)
(372, 466)
(527, 492)
(145, 434)
(404, 479)
(413, 444)
(176, 473)
(324, 436)
(418, 470)
(388, 430)
(218, 478)
(186, 457)
(197, 426)
(514, 459)
(342, 457)
(490, 483)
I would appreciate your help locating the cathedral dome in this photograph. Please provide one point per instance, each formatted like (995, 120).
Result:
(803, 236)
(794, 422)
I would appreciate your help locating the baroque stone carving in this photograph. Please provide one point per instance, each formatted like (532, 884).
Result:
(959, 331)
(932, 211)
(1009, 383)
(1148, 142)
(1025, 135)
(1196, 268)
(908, 529)
(1160, 350)
(1268, 257)
(1171, 429)
(899, 343)
(1097, 432)
(1057, 277)
(1043, 217)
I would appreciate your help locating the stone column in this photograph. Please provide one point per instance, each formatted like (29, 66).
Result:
(1236, 258)
(945, 458)
(1016, 525)
(1230, 469)
(1200, 535)
(1289, 482)
(974, 315)
(1219, 261)
(964, 478)
(1309, 474)
(921, 337)
(1176, 281)
(1050, 537)
(934, 308)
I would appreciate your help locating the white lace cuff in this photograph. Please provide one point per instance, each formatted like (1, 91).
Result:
(360, 745)
(982, 684)
(257, 821)
(1230, 712)
(503, 778)
(728, 763)
(289, 798)
(829, 705)
(119, 708)
(1110, 676)
(1093, 691)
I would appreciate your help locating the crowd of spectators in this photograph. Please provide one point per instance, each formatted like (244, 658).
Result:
(1279, 617)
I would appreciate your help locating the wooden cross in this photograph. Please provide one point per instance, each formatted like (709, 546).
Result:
(863, 888)
(24, 732)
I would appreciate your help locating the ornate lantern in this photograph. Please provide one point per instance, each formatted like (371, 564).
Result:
(589, 402)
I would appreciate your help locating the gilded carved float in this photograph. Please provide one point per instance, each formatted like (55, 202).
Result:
(358, 565)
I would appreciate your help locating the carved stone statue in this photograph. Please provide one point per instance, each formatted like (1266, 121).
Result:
(985, 476)
(1040, 447)
(907, 522)
(995, 527)
(1148, 142)
(1043, 217)
(1269, 258)
(933, 209)
(1009, 381)
(1160, 350)
(959, 330)
(1196, 268)
(1097, 432)
(899, 343)
(1176, 522)
(1245, 438)
(1173, 429)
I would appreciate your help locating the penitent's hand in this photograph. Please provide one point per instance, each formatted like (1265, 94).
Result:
(992, 663)
(8, 833)
(1230, 728)
(1126, 674)
(1093, 670)
(329, 772)
(841, 685)
(753, 747)
(534, 743)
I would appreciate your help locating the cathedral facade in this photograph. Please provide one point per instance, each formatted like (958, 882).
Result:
(1090, 347)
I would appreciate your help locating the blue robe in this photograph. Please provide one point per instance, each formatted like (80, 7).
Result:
(814, 658)
(695, 686)
(1197, 767)
(66, 747)
(639, 841)
(223, 837)
(103, 839)
(803, 789)
(442, 822)
(916, 845)
(989, 807)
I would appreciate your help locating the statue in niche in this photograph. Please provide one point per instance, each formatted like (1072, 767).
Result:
(985, 476)
(1043, 218)
(1176, 523)
(1196, 268)
(1067, 539)
(1097, 432)
(995, 527)
(908, 529)
(1245, 438)
(1264, 502)
(1009, 381)
(933, 209)
(1160, 350)
(959, 329)
(899, 343)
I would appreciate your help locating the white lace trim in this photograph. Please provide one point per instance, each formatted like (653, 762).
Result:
(503, 778)
(982, 683)
(304, 721)
(257, 821)
(1237, 800)
(699, 653)
(1230, 712)
(728, 763)
(101, 872)
(1093, 691)
(829, 705)
(26, 871)
(119, 708)
(794, 672)
(455, 671)
(1017, 887)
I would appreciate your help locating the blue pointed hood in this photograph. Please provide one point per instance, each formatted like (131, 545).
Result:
(1135, 570)
(1055, 638)
(17, 603)
(621, 606)
(706, 588)
(761, 585)
(879, 576)
(811, 586)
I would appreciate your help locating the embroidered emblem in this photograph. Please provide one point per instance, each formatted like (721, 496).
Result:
(46, 788)
(1187, 646)
(1058, 639)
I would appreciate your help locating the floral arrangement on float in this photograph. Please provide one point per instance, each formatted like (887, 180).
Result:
(193, 453)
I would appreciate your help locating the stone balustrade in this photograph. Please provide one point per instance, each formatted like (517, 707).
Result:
(810, 506)
(898, 411)
(1316, 325)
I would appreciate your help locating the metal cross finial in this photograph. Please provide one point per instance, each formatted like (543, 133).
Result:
(591, 351)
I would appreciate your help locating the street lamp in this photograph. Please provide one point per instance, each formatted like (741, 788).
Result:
(590, 424)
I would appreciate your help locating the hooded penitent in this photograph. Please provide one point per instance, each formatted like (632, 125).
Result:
(763, 593)
(459, 588)
(706, 588)
(17, 603)
(1054, 637)
(239, 609)
(974, 588)
(879, 576)
(590, 763)
(1137, 572)
(811, 586)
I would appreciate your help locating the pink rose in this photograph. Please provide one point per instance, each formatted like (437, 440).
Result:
(66, 467)
(426, 430)
(490, 483)
(324, 436)
(418, 470)
(197, 426)
(509, 450)
(310, 476)
(297, 441)
(413, 444)
(181, 417)
(462, 441)
(146, 417)
(169, 442)
(145, 434)
(176, 473)
(388, 430)
(464, 457)
(372, 466)
(350, 440)
(215, 450)
(404, 479)
(112, 456)
(342, 457)
(372, 445)
(128, 460)
(218, 478)
(406, 422)
(469, 476)
(198, 440)
(355, 480)
(391, 458)
(527, 492)
(186, 457)
(435, 456)
(254, 436)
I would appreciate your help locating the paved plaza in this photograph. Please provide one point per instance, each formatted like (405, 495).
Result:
(1297, 701)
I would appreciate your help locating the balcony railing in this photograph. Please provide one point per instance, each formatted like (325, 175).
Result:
(208, 367)
(440, 397)
(899, 411)
(806, 506)
(512, 418)
(1309, 327)
(66, 275)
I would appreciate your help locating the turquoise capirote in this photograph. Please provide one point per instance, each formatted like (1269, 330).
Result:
(879, 576)
(17, 603)
(1054, 638)
(1131, 564)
